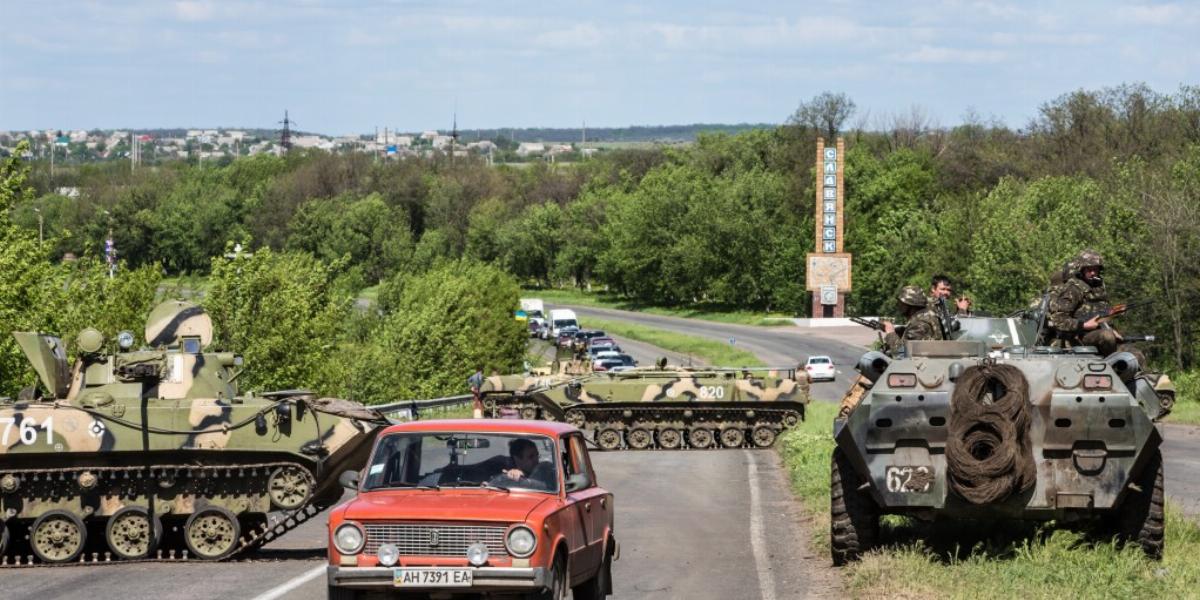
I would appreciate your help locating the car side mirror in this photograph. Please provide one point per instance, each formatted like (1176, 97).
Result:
(349, 480)
(577, 482)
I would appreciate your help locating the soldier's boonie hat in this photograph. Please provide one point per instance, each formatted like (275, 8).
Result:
(912, 296)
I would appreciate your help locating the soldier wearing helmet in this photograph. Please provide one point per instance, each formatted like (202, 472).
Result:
(1075, 303)
(923, 322)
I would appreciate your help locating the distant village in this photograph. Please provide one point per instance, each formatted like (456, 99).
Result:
(79, 146)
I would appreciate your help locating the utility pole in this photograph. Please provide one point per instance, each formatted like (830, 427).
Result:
(41, 237)
(285, 136)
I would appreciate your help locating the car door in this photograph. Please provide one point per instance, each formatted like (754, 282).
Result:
(594, 507)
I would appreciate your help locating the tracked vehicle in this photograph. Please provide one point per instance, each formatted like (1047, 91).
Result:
(156, 452)
(989, 426)
(670, 409)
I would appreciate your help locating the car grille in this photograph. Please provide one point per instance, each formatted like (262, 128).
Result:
(417, 539)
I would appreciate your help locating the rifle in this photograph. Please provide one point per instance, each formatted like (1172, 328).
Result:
(875, 324)
(1115, 311)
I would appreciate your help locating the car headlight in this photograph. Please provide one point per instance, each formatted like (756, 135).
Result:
(348, 538)
(388, 554)
(477, 554)
(520, 541)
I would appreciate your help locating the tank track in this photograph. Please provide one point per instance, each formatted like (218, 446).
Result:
(273, 525)
(665, 426)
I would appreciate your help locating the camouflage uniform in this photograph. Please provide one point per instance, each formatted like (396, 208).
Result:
(922, 325)
(1074, 301)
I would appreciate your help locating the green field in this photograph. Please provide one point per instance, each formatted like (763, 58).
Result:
(1002, 561)
(703, 312)
(709, 351)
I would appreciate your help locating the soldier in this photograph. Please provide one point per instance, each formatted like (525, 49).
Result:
(1076, 304)
(923, 324)
(940, 291)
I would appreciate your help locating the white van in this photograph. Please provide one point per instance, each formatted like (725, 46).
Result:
(535, 311)
(560, 318)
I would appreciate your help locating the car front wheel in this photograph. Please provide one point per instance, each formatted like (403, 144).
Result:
(556, 589)
(598, 586)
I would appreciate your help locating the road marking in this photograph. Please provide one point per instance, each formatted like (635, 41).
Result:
(282, 589)
(766, 581)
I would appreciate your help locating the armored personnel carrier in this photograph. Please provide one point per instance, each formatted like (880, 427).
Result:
(671, 409)
(990, 426)
(155, 449)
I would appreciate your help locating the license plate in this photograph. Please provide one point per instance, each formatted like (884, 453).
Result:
(432, 577)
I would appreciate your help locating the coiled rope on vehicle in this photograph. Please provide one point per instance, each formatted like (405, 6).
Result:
(989, 456)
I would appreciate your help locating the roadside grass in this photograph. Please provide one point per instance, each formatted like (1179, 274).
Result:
(1187, 399)
(1002, 560)
(710, 351)
(705, 312)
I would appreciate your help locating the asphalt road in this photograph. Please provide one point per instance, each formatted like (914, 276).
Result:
(716, 524)
(789, 345)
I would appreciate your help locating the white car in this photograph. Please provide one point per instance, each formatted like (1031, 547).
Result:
(820, 368)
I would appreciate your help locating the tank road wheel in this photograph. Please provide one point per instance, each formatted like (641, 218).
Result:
(212, 533)
(732, 437)
(670, 439)
(576, 419)
(791, 419)
(57, 536)
(854, 525)
(700, 438)
(1140, 516)
(763, 436)
(529, 413)
(608, 439)
(289, 488)
(128, 533)
(638, 439)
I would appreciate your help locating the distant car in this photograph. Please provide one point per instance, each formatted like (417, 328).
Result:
(565, 337)
(535, 328)
(607, 364)
(475, 507)
(820, 368)
(601, 340)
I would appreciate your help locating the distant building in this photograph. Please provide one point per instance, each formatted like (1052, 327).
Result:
(429, 135)
(530, 148)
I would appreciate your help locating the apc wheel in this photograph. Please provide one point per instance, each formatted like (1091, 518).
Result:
(212, 533)
(700, 438)
(289, 488)
(1140, 516)
(528, 413)
(128, 533)
(670, 439)
(638, 439)
(732, 437)
(57, 537)
(608, 439)
(854, 523)
(791, 419)
(763, 436)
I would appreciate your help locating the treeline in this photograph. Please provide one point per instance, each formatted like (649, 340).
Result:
(726, 221)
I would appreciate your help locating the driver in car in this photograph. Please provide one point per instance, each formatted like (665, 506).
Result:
(523, 463)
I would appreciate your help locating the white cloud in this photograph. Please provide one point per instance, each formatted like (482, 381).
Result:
(1160, 14)
(194, 10)
(576, 36)
(943, 55)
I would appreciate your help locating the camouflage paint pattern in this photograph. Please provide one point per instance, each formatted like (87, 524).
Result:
(170, 415)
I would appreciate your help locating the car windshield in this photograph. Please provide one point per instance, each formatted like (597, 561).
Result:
(439, 460)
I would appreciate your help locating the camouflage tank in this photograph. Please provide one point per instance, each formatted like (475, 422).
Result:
(669, 409)
(990, 426)
(155, 449)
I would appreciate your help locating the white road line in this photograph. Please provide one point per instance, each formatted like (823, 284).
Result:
(766, 581)
(282, 589)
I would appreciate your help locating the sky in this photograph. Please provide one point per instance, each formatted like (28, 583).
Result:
(354, 66)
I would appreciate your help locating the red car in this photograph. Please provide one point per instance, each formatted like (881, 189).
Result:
(474, 506)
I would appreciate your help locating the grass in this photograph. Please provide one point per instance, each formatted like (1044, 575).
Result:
(712, 352)
(1187, 399)
(1007, 560)
(706, 312)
